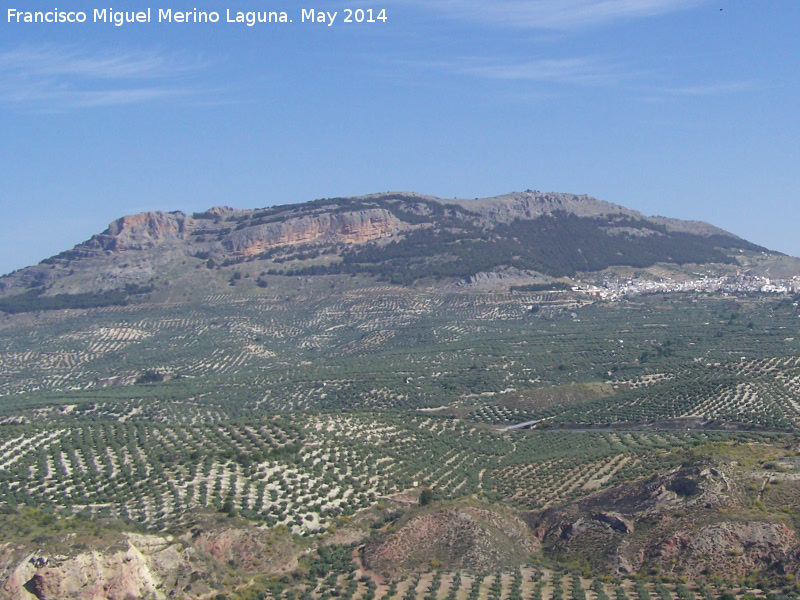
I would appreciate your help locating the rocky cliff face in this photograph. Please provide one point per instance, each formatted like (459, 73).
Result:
(349, 228)
(151, 229)
(145, 230)
(194, 565)
(136, 572)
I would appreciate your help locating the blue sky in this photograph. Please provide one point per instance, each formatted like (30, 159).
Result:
(670, 107)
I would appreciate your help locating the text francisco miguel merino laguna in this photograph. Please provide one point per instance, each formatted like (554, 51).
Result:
(168, 15)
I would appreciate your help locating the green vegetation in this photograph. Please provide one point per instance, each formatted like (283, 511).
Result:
(558, 245)
(234, 417)
(308, 412)
(447, 240)
(553, 286)
(34, 300)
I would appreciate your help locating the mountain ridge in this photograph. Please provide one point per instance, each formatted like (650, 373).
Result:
(400, 237)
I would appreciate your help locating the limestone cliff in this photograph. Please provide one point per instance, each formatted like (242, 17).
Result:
(150, 229)
(349, 228)
(145, 230)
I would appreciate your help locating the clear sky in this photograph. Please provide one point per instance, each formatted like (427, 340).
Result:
(683, 108)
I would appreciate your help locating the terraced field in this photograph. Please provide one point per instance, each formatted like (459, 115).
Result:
(393, 349)
(301, 410)
(128, 395)
(523, 583)
(303, 471)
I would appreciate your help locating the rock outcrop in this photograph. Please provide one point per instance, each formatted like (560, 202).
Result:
(456, 537)
(669, 522)
(118, 575)
(332, 228)
(530, 205)
(142, 231)
(197, 564)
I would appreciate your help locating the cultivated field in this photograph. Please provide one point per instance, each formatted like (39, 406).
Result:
(303, 410)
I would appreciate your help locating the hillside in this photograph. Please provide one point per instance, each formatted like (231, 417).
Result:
(400, 238)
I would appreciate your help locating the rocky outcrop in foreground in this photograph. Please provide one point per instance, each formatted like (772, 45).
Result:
(476, 538)
(205, 559)
(694, 521)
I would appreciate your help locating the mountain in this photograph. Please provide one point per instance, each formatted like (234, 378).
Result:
(401, 238)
